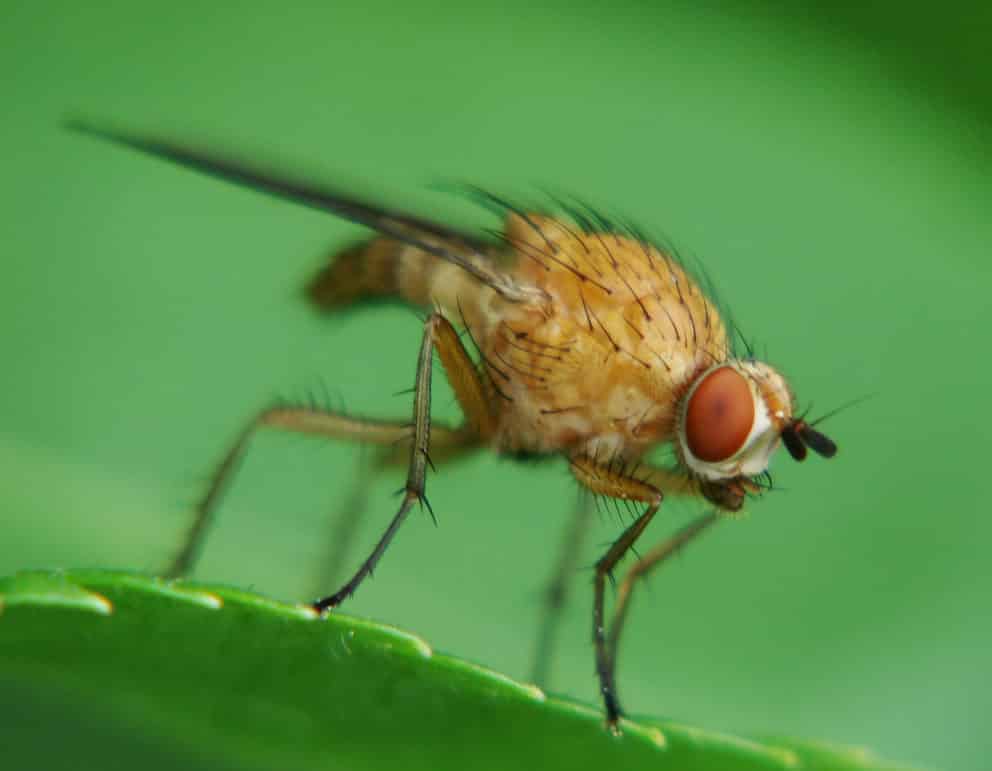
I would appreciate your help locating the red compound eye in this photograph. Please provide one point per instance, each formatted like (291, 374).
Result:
(719, 416)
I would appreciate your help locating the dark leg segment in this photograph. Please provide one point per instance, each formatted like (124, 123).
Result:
(605, 480)
(464, 378)
(604, 569)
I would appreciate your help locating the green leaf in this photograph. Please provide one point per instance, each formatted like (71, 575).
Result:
(220, 673)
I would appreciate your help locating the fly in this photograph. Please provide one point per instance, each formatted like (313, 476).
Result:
(590, 343)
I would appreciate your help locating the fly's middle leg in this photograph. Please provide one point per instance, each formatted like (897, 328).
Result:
(369, 467)
(439, 335)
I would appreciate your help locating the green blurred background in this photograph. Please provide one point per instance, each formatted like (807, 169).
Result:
(830, 167)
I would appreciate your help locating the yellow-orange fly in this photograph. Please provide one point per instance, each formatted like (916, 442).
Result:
(591, 343)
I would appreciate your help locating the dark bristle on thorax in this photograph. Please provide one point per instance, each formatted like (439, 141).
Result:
(580, 219)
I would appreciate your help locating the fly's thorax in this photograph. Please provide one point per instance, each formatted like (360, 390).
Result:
(731, 419)
(604, 356)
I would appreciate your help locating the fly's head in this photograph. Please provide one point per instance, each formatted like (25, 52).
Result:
(731, 419)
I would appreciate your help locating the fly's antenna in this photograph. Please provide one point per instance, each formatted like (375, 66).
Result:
(801, 434)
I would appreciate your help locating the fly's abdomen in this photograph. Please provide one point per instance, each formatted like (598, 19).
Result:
(363, 271)
(386, 268)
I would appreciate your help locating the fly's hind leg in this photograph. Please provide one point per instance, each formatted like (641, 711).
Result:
(557, 590)
(300, 420)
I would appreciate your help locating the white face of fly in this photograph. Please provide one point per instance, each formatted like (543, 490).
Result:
(731, 420)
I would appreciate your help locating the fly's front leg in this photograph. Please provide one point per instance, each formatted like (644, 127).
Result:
(469, 390)
(604, 480)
